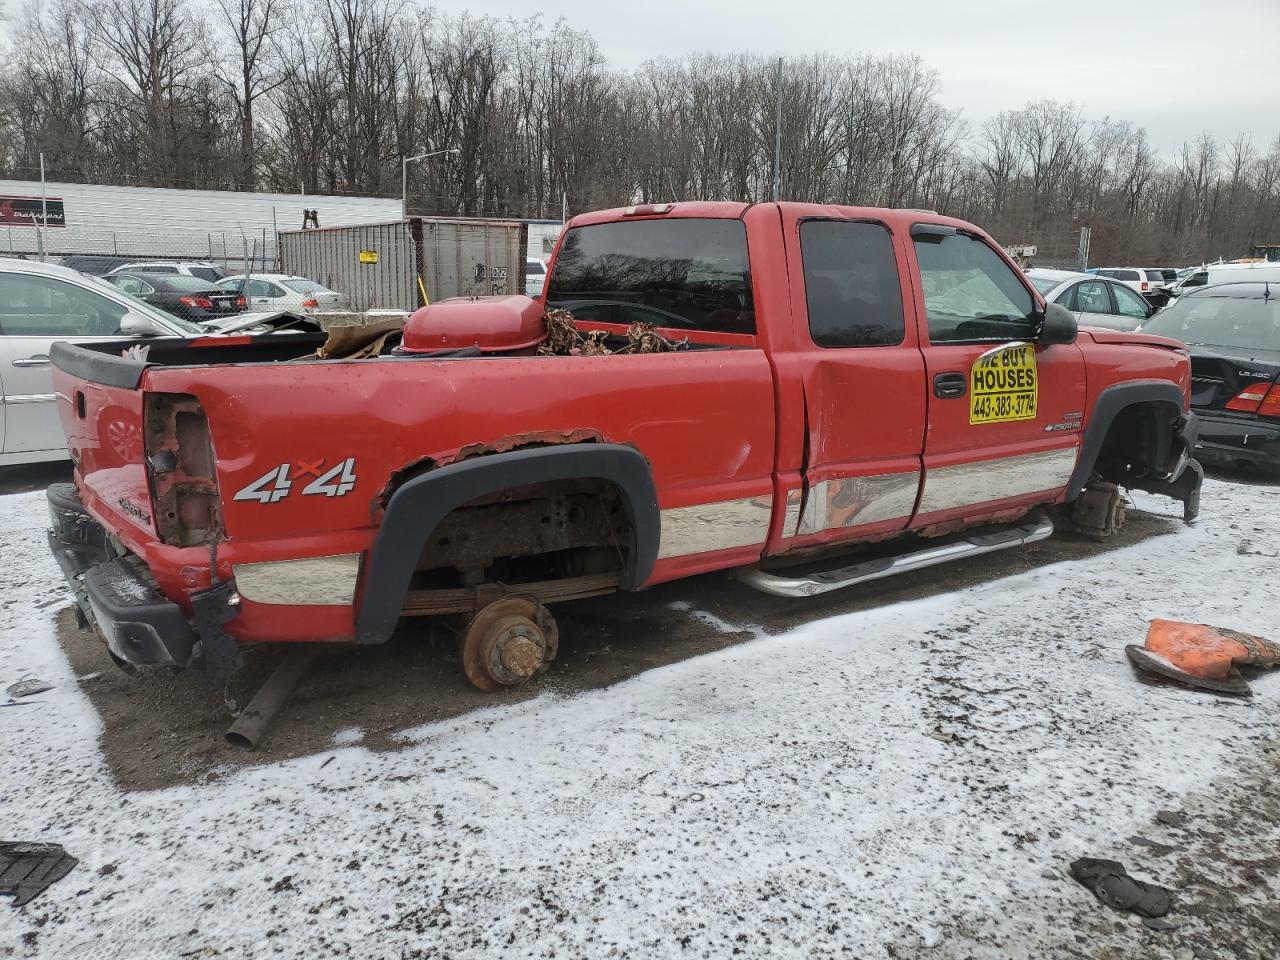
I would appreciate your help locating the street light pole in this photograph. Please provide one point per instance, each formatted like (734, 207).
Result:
(404, 176)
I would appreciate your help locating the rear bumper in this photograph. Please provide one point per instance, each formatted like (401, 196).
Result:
(1231, 441)
(117, 597)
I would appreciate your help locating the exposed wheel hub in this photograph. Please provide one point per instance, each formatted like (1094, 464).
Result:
(508, 642)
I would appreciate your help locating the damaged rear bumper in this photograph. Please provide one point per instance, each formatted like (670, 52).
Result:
(117, 597)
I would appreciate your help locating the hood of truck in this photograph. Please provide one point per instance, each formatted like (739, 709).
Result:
(1132, 338)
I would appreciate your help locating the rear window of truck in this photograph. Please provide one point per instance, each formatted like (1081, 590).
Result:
(851, 284)
(682, 273)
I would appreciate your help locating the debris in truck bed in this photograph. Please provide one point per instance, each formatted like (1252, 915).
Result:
(27, 869)
(565, 339)
(354, 342)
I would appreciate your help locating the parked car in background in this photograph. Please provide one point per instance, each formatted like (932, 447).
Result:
(535, 276)
(283, 291)
(185, 268)
(1233, 331)
(42, 303)
(1147, 281)
(191, 298)
(1214, 274)
(95, 264)
(1096, 301)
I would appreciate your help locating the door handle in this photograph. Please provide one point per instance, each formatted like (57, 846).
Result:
(949, 386)
(39, 360)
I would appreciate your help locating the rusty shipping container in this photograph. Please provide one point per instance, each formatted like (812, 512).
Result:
(378, 265)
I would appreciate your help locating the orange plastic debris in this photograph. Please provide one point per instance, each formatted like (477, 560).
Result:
(1201, 655)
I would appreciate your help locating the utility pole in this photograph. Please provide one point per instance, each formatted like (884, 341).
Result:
(777, 138)
(44, 210)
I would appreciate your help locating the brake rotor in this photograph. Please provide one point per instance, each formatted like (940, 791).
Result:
(508, 642)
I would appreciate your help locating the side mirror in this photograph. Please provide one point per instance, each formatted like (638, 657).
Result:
(1058, 325)
(137, 325)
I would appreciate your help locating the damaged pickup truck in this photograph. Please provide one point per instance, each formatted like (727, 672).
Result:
(878, 382)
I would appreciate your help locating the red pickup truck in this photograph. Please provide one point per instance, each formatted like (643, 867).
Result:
(851, 376)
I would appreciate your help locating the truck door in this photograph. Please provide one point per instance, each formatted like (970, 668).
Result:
(1004, 413)
(863, 378)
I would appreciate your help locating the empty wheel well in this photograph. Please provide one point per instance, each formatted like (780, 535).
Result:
(536, 532)
(1137, 443)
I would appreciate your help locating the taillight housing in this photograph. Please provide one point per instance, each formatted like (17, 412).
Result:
(1260, 398)
(241, 302)
(181, 472)
(204, 303)
(311, 303)
(1145, 285)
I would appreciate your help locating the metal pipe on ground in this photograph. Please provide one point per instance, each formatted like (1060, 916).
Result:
(254, 720)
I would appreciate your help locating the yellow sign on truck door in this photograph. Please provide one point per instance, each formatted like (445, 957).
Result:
(1003, 385)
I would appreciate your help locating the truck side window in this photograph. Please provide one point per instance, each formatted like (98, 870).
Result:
(851, 284)
(684, 273)
(970, 293)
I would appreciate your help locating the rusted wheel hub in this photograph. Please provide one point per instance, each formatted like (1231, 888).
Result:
(508, 642)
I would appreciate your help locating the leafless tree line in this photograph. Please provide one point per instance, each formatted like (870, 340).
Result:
(327, 96)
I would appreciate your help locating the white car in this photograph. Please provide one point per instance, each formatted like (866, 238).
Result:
(535, 276)
(282, 291)
(1096, 301)
(41, 303)
(1148, 281)
(201, 269)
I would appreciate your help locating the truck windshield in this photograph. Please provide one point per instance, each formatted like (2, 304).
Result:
(1251, 323)
(681, 272)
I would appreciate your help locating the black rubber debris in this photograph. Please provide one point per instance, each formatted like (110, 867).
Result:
(1111, 884)
(27, 869)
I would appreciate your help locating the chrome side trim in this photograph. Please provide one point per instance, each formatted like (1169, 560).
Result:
(970, 483)
(1033, 529)
(791, 517)
(851, 501)
(310, 581)
(30, 398)
(715, 526)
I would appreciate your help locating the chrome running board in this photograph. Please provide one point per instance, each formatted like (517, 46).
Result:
(1031, 530)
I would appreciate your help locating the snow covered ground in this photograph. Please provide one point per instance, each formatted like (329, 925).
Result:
(911, 779)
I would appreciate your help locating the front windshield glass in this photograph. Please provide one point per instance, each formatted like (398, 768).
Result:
(186, 326)
(1044, 284)
(1251, 323)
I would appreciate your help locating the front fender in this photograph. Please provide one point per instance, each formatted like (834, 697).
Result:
(1111, 402)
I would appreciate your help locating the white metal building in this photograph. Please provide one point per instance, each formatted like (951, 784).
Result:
(155, 222)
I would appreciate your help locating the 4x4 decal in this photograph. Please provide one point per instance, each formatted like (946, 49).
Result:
(277, 483)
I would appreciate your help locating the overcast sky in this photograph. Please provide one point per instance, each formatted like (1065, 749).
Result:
(1177, 67)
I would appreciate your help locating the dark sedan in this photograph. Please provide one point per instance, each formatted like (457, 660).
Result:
(188, 297)
(1233, 331)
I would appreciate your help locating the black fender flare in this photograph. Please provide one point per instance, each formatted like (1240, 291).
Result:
(1111, 402)
(417, 507)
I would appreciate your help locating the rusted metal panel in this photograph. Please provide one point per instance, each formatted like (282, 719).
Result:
(378, 265)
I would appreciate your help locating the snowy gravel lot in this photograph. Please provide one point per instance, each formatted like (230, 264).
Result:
(906, 781)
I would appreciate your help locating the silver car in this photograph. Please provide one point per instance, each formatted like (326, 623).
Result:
(1096, 301)
(41, 303)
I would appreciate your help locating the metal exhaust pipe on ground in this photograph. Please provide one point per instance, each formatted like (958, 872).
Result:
(249, 728)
